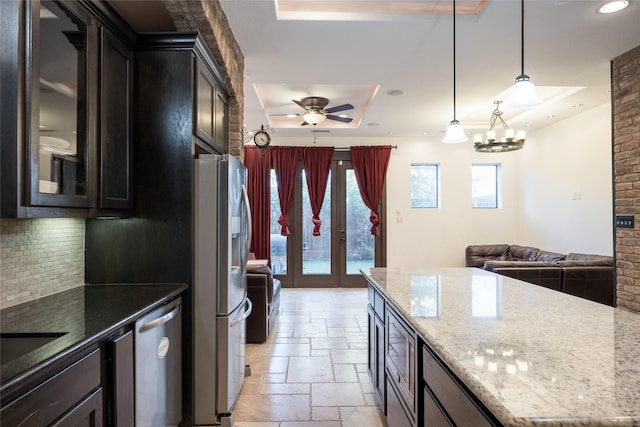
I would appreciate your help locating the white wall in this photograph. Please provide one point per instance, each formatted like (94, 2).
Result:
(538, 182)
(566, 176)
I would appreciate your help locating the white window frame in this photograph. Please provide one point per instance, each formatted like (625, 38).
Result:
(498, 190)
(438, 185)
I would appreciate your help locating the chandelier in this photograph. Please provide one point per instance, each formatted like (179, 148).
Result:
(511, 140)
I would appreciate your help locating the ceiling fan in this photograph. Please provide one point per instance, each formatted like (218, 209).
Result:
(315, 111)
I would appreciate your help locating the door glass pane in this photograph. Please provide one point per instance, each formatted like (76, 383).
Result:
(278, 242)
(316, 250)
(360, 241)
(62, 105)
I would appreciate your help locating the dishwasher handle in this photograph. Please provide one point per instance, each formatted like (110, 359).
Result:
(160, 320)
(244, 314)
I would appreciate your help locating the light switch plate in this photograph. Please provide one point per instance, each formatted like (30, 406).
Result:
(625, 221)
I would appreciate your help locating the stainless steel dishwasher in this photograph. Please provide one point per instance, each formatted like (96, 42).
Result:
(158, 355)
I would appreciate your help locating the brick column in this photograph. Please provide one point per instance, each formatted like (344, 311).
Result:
(625, 89)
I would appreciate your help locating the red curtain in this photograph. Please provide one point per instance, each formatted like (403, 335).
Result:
(285, 163)
(259, 190)
(370, 167)
(317, 165)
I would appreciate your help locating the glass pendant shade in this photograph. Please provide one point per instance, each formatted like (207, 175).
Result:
(455, 133)
(313, 117)
(523, 94)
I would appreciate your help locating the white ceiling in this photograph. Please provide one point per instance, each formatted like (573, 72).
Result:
(364, 49)
(358, 58)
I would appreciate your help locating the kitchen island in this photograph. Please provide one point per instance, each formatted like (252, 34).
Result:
(520, 354)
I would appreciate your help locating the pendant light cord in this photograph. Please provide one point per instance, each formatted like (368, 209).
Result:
(522, 36)
(454, 59)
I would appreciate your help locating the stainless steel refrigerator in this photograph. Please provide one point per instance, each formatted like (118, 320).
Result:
(222, 238)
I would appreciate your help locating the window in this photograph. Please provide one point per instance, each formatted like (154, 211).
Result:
(425, 185)
(485, 186)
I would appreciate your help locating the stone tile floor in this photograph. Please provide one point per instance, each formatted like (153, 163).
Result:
(313, 369)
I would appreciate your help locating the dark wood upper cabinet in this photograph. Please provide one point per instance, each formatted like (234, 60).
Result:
(211, 109)
(66, 150)
(59, 99)
(116, 86)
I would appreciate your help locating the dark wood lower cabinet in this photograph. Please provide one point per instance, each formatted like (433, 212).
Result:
(86, 413)
(122, 372)
(67, 394)
(450, 396)
(433, 415)
(396, 414)
(416, 387)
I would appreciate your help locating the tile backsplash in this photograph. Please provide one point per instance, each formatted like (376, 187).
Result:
(39, 257)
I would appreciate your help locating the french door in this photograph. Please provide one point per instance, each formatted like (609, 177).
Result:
(345, 244)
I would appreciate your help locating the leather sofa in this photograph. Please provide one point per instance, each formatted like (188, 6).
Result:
(264, 292)
(584, 275)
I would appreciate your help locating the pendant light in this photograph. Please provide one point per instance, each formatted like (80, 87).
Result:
(455, 132)
(523, 92)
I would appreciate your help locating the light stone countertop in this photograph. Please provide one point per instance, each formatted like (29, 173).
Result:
(532, 355)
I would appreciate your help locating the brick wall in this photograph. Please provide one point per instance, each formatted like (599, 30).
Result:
(208, 18)
(625, 71)
(39, 257)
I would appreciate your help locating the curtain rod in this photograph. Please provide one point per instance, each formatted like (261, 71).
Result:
(349, 148)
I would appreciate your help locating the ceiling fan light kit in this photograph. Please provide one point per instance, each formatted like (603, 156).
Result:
(316, 113)
(313, 117)
(455, 133)
(511, 141)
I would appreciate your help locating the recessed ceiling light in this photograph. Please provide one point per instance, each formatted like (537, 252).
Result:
(577, 105)
(291, 116)
(551, 116)
(613, 6)
(395, 92)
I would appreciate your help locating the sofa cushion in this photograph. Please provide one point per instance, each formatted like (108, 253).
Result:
(522, 253)
(476, 255)
(547, 256)
(590, 258)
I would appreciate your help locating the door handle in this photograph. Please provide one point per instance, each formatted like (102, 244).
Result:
(160, 320)
(343, 235)
(244, 314)
(245, 198)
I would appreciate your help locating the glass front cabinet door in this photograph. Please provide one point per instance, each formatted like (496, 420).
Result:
(59, 104)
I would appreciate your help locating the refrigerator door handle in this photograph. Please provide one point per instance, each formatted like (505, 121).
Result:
(245, 198)
(242, 316)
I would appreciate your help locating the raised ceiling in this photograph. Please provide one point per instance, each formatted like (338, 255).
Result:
(366, 52)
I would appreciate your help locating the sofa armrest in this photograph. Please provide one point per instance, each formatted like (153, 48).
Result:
(593, 283)
(493, 265)
(257, 322)
(546, 276)
(476, 255)
(264, 277)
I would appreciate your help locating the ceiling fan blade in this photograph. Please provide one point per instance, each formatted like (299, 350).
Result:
(338, 118)
(304, 124)
(300, 104)
(342, 107)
